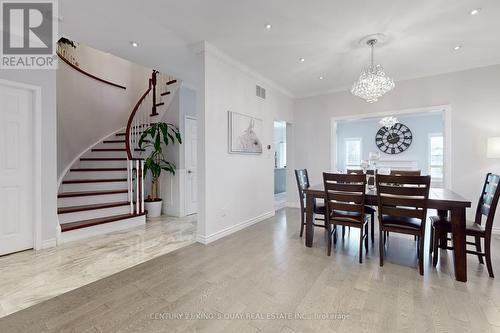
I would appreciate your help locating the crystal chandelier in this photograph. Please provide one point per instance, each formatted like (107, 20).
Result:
(388, 122)
(372, 83)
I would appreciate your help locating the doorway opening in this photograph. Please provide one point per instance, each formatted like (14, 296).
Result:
(419, 141)
(280, 163)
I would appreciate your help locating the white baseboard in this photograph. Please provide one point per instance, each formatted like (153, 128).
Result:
(48, 243)
(172, 212)
(232, 229)
(102, 229)
(293, 204)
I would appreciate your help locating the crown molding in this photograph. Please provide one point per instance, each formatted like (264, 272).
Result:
(205, 47)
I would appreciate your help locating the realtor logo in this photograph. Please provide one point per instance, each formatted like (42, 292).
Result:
(29, 34)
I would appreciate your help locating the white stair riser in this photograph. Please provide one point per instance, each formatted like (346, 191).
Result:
(91, 200)
(72, 175)
(93, 214)
(101, 164)
(83, 233)
(105, 154)
(94, 186)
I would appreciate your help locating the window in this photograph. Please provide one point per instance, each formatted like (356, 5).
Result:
(352, 152)
(436, 158)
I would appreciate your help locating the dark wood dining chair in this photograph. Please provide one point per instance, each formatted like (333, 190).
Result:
(368, 209)
(486, 208)
(402, 208)
(406, 172)
(319, 209)
(345, 206)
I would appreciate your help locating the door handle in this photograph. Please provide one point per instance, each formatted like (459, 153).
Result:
(189, 171)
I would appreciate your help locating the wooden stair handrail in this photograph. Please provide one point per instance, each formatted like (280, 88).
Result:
(88, 74)
(131, 118)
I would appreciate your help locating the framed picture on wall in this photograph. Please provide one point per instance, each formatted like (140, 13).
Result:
(245, 134)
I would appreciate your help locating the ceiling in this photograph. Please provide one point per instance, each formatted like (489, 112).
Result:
(420, 35)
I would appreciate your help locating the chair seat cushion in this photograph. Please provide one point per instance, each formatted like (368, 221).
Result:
(320, 208)
(345, 217)
(369, 210)
(471, 227)
(401, 222)
(438, 221)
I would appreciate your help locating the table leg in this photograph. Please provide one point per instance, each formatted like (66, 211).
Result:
(458, 235)
(309, 220)
(443, 239)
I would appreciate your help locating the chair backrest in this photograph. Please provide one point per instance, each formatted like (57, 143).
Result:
(345, 194)
(302, 183)
(406, 172)
(403, 196)
(488, 201)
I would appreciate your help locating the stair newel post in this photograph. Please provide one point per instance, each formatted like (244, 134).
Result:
(153, 81)
(142, 186)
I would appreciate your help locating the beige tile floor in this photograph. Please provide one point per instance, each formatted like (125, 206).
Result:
(30, 277)
(265, 270)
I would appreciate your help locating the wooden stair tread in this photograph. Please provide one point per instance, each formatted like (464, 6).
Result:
(165, 93)
(114, 141)
(93, 222)
(73, 209)
(103, 159)
(97, 169)
(108, 149)
(171, 82)
(120, 134)
(82, 181)
(89, 193)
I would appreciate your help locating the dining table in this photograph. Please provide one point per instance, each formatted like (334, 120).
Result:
(445, 201)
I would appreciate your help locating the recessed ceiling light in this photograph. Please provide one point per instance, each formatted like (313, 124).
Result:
(475, 11)
(302, 59)
(134, 44)
(321, 78)
(268, 26)
(458, 47)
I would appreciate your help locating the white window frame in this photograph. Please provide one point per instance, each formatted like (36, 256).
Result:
(437, 181)
(353, 166)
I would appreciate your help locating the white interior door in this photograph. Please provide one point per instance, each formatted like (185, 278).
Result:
(191, 166)
(16, 170)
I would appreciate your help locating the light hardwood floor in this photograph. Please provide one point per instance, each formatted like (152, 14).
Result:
(30, 277)
(266, 270)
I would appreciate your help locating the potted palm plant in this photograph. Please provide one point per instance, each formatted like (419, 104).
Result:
(152, 140)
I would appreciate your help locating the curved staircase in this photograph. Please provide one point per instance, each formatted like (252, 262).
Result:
(103, 191)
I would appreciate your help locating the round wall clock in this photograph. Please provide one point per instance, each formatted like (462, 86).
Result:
(394, 140)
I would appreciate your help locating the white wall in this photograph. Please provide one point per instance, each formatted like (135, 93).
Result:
(88, 110)
(475, 116)
(46, 79)
(235, 190)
